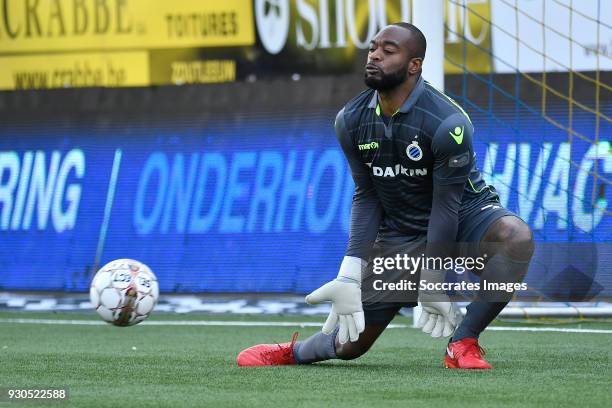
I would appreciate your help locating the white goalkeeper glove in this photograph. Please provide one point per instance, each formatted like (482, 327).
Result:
(344, 293)
(439, 315)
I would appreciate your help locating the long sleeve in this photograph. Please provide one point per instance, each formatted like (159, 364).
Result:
(452, 147)
(444, 219)
(366, 210)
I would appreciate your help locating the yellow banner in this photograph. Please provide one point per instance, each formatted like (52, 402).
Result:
(66, 25)
(468, 37)
(113, 69)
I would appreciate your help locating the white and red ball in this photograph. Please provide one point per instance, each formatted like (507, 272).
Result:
(124, 292)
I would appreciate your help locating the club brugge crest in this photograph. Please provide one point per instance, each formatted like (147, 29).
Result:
(414, 151)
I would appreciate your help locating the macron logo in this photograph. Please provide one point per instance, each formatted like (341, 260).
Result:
(450, 353)
(368, 146)
(457, 134)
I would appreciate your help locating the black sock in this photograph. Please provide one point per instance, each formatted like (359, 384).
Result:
(482, 311)
(479, 315)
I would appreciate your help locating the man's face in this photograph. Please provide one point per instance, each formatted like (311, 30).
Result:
(388, 59)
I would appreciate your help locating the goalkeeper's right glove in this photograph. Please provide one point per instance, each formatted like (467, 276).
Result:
(439, 315)
(344, 293)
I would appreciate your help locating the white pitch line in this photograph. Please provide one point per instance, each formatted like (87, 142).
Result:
(281, 324)
(549, 329)
(178, 323)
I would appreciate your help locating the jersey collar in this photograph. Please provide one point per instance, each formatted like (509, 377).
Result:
(408, 103)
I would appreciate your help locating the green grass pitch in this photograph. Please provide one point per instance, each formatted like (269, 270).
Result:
(184, 366)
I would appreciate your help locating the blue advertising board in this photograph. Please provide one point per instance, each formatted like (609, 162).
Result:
(252, 203)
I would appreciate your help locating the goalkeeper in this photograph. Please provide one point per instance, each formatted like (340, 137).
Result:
(417, 189)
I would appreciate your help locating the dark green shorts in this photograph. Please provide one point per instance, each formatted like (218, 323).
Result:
(474, 221)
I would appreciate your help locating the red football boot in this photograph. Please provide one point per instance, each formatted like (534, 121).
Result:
(465, 353)
(268, 354)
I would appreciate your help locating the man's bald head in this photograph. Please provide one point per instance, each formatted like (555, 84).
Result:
(416, 41)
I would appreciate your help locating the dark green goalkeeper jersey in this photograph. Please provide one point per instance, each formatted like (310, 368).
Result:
(414, 172)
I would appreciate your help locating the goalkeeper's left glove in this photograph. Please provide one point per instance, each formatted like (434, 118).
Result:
(439, 315)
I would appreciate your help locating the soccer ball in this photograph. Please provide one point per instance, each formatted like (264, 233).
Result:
(124, 292)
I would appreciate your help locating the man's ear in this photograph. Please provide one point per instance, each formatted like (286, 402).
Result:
(415, 65)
